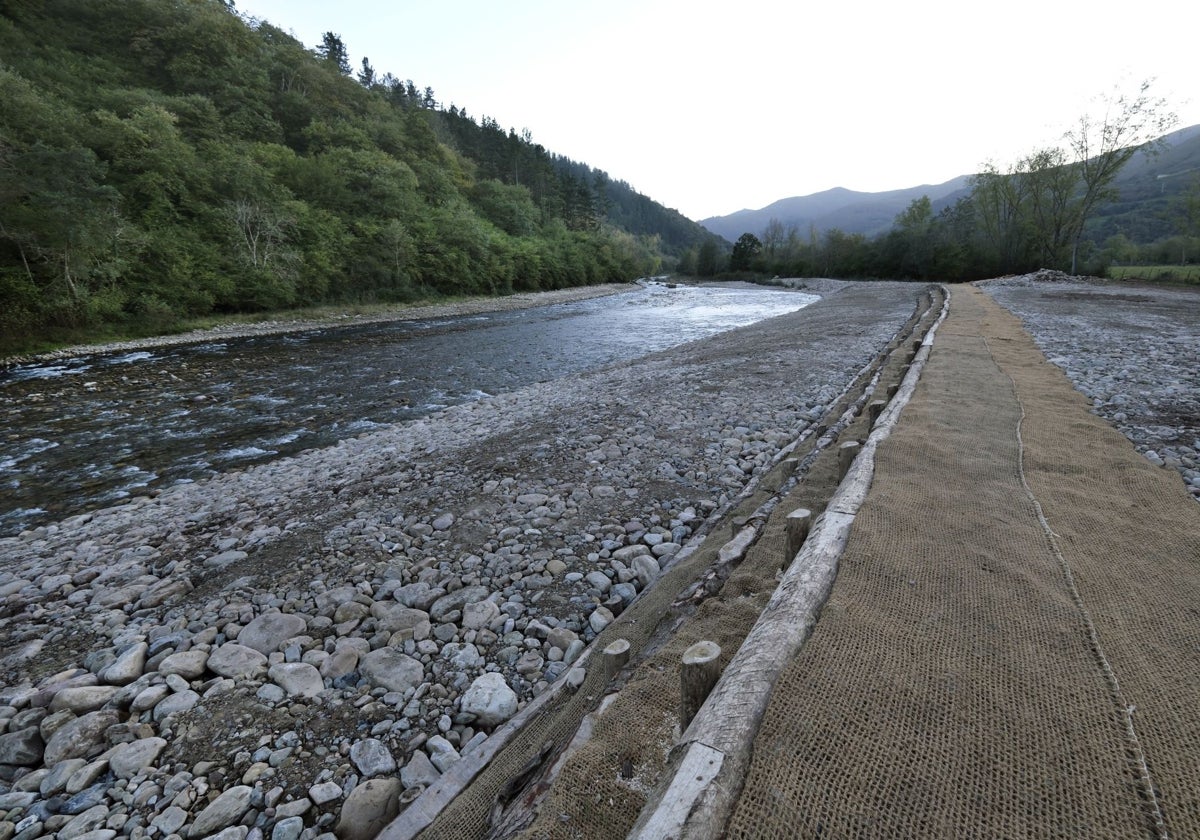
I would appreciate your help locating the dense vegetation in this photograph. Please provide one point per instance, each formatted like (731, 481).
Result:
(166, 159)
(1061, 208)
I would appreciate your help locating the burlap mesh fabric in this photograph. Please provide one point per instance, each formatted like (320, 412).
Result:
(971, 673)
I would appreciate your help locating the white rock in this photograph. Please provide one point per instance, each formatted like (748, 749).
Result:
(189, 664)
(600, 618)
(82, 699)
(236, 660)
(297, 679)
(419, 771)
(599, 580)
(224, 811)
(269, 630)
(372, 758)
(324, 793)
(490, 699)
(127, 667)
(479, 614)
(441, 752)
(391, 669)
(130, 759)
(462, 657)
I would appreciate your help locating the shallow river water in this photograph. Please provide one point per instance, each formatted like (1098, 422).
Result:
(89, 431)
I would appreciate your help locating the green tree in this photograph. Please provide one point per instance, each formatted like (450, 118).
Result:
(1186, 211)
(1000, 209)
(366, 75)
(708, 258)
(745, 251)
(1051, 188)
(1102, 145)
(1119, 250)
(333, 51)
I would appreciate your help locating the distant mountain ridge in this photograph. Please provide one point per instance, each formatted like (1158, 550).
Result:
(1146, 184)
(847, 210)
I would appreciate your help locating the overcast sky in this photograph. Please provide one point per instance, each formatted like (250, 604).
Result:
(712, 108)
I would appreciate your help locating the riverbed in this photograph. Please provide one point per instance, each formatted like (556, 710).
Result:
(89, 430)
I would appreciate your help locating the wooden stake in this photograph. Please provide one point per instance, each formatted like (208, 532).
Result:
(616, 654)
(846, 453)
(698, 673)
(799, 522)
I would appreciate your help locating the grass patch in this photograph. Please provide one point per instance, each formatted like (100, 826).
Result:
(1183, 274)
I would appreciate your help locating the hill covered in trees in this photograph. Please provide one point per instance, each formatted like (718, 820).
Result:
(167, 159)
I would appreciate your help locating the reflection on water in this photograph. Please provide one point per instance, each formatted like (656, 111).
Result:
(91, 431)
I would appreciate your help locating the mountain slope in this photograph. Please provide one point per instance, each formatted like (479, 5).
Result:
(846, 210)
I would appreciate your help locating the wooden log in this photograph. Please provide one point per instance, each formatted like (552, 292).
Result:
(846, 453)
(698, 673)
(616, 654)
(799, 522)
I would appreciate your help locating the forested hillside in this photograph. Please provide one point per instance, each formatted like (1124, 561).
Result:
(166, 159)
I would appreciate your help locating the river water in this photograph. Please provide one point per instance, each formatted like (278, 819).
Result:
(90, 431)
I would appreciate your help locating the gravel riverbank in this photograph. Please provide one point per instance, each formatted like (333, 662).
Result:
(287, 650)
(1132, 349)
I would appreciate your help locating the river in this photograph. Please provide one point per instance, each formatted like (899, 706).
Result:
(90, 431)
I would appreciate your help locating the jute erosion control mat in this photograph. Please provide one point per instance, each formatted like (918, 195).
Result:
(1012, 646)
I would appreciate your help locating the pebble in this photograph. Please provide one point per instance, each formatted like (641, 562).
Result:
(237, 661)
(224, 811)
(441, 753)
(490, 700)
(297, 679)
(324, 793)
(369, 808)
(130, 759)
(372, 757)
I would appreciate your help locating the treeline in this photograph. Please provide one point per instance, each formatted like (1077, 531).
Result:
(966, 241)
(1052, 209)
(167, 159)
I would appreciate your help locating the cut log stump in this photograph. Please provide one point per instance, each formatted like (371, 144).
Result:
(698, 673)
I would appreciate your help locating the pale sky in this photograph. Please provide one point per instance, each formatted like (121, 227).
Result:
(712, 108)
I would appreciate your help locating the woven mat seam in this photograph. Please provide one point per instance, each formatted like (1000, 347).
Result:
(1125, 709)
